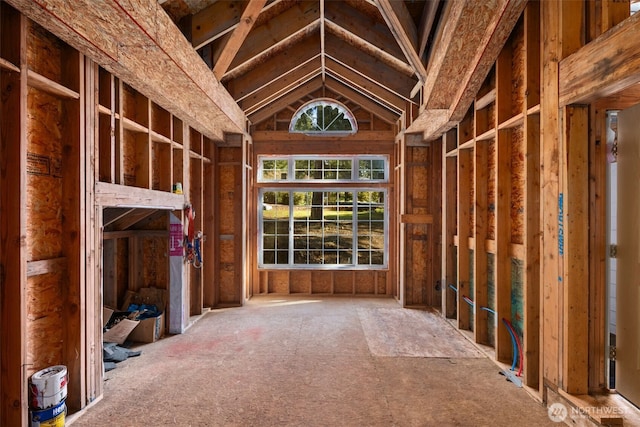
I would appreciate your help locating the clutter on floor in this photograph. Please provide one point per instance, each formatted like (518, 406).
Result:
(48, 393)
(140, 319)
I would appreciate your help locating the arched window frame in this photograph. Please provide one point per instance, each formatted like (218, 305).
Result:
(322, 130)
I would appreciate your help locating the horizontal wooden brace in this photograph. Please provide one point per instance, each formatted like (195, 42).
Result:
(53, 265)
(416, 219)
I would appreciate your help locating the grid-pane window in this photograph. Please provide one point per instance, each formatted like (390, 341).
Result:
(305, 225)
(323, 169)
(323, 228)
(274, 169)
(371, 169)
(275, 227)
(371, 226)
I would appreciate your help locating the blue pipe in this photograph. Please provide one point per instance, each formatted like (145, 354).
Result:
(513, 343)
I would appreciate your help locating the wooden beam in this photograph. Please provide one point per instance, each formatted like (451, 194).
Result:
(281, 85)
(362, 62)
(113, 195)
(365, 26)
(234, 42)
(383, 112)
(216, 20)
(280, 49)
(131, 219)
(271, 70)
(276, 35)
(485, 31)
(142, 46)
(364, 84)
(292, 96)
(401, 24)
(426, 24)
(373, 138)
(576, 259)
(369, 48)
(603, 67)
(416, 219)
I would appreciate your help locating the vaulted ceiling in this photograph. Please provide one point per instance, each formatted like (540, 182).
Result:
(271, 53)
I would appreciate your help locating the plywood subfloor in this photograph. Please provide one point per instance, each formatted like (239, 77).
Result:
(412, 333)
(310, 362)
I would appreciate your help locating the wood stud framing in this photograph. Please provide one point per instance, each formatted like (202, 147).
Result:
(502, 122)
(121, 151)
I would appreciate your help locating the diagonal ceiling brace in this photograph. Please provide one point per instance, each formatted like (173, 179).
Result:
(399, 20)
(239, 34)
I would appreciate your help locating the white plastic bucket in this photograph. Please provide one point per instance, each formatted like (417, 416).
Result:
(48, 387)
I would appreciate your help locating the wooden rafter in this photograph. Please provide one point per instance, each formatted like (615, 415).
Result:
(275, 36)
(426, 24)
(288, 99)
(238, 36)
(366, 84)
(282, 86)
(399, 20)
(368, 48)
(364, 26)
(275, 67)
(215, 21)
(345, 90)
(368, 65)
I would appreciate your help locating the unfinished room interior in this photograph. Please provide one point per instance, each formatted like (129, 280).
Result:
(320, 212)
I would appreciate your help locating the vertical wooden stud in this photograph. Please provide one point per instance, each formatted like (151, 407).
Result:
(531, 242)
(13, 220)
(504, 348)
(576, 269)
(464, 188)
(449, 190)
(480, 288)
(550, 190)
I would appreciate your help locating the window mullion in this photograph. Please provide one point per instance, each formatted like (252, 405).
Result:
(291, 218)
(354, 226)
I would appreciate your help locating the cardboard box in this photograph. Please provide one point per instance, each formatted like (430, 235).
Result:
(151, 329)
(120, 332)
(148, 330)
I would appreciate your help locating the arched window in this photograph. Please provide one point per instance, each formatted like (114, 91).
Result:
(323, 116)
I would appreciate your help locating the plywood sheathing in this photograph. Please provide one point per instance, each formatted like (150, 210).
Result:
(518, 58)
(228, 192)
(458, 66)
(491, 189)
(518, 182)
(321, 282)
(45, 330)
(343, 282)
(300, 282)
(44, 175)
(365, 282)
(139, 43)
